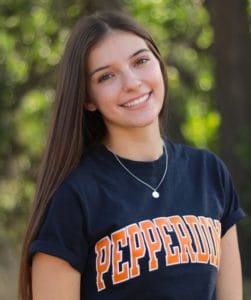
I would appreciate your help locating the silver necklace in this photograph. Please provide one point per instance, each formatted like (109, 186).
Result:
(155, 194)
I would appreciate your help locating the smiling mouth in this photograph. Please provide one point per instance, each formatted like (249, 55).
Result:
(137, 101)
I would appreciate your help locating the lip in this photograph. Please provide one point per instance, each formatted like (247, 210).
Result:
(137, 98)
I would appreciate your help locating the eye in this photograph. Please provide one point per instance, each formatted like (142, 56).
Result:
(142, 60)
(105, 77)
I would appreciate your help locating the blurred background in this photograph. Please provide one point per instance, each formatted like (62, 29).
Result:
(207, 50)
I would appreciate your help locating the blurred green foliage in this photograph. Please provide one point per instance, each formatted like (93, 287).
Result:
(32, 37)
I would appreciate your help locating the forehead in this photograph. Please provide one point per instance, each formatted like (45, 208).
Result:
(116, 45)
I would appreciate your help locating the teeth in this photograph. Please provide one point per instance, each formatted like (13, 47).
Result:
(137, 101)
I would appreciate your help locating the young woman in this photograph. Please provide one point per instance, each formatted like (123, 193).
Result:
(120, 212)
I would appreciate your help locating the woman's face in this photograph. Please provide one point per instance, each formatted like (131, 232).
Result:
(125, 82)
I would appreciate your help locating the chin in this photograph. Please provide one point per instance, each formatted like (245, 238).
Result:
(146, 122)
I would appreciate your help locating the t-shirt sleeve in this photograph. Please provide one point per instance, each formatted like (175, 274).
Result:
(233, 213)
(63, 231)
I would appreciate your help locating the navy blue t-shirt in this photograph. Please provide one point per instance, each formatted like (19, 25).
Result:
(127, 244)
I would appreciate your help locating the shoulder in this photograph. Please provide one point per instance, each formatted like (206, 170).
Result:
(198, 161)
(186, 152)
(83, 180)
(81, 176)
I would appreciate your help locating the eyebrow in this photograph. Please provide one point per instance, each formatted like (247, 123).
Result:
(131, 56)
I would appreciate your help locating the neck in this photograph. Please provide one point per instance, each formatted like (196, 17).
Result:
(141, 144)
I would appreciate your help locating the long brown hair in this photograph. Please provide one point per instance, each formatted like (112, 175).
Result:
(73, 128)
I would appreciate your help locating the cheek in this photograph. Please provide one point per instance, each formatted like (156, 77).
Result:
(104, 94)
(107, 97)
(156, 78)
(112, 90)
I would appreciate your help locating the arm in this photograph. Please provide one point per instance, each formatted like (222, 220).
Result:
(229, 279)
(54, 279)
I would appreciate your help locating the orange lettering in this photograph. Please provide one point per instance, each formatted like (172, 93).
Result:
(172, 257)
(199, 239)
(136, 251)
(119, 237)
(102, 249)
(153, 245)
(206, 226)
(216, 236)
(184, 238)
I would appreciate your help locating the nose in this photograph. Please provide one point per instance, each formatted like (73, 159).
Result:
(130, 80)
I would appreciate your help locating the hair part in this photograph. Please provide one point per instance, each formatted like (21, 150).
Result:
(73, 129)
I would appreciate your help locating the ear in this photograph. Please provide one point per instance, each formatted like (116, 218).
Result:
(90, 106)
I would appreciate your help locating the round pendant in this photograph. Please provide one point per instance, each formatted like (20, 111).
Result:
(155, 194)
